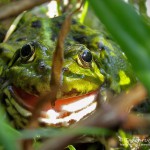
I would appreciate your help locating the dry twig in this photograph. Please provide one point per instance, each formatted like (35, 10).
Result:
(15, 8)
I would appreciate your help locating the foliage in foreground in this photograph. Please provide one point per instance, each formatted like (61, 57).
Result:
(132, 34)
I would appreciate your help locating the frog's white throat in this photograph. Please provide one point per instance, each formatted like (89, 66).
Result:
(65, 112)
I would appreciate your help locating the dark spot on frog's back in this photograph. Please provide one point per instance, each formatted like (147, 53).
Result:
(3, 50)
(36, 24)
(58, 25)
(2, 34)
(74, 21)
(80, 38)
(53, 37)
(21, 39)
(82, 26)
(1, 80)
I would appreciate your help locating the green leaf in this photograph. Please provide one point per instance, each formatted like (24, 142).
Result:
(130, 31)
(71, 147)
(84, 12)
(52, 132)
(124, 139)
(13, 26)
(8, 135)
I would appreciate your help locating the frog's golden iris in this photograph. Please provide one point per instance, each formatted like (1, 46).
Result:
(90, 62)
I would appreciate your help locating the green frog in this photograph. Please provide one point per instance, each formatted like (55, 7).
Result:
(92, 61)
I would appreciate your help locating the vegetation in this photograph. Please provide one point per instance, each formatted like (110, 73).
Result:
(132, 32)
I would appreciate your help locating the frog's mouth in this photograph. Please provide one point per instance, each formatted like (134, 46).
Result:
(65, 111)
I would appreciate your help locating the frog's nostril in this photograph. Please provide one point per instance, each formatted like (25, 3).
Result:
(101, 46)
(64, 69)
(42, 65)
(21, 39)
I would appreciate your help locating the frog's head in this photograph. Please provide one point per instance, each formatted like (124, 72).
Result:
(29, 74)
(89, 59)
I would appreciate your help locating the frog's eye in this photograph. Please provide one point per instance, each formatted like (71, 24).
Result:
(86, 56)
(85, 59)
(27, 53)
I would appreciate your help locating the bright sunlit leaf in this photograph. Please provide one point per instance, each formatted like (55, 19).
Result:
(71, 147)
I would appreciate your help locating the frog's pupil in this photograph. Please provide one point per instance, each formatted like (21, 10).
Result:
(87, 56)
(26, 50)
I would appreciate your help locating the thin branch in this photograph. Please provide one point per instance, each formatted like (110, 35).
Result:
(140, 122)
(15, 8)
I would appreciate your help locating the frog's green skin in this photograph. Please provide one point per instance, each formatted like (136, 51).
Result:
(108, 67)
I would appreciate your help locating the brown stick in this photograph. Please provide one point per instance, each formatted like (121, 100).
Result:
(15, 8)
